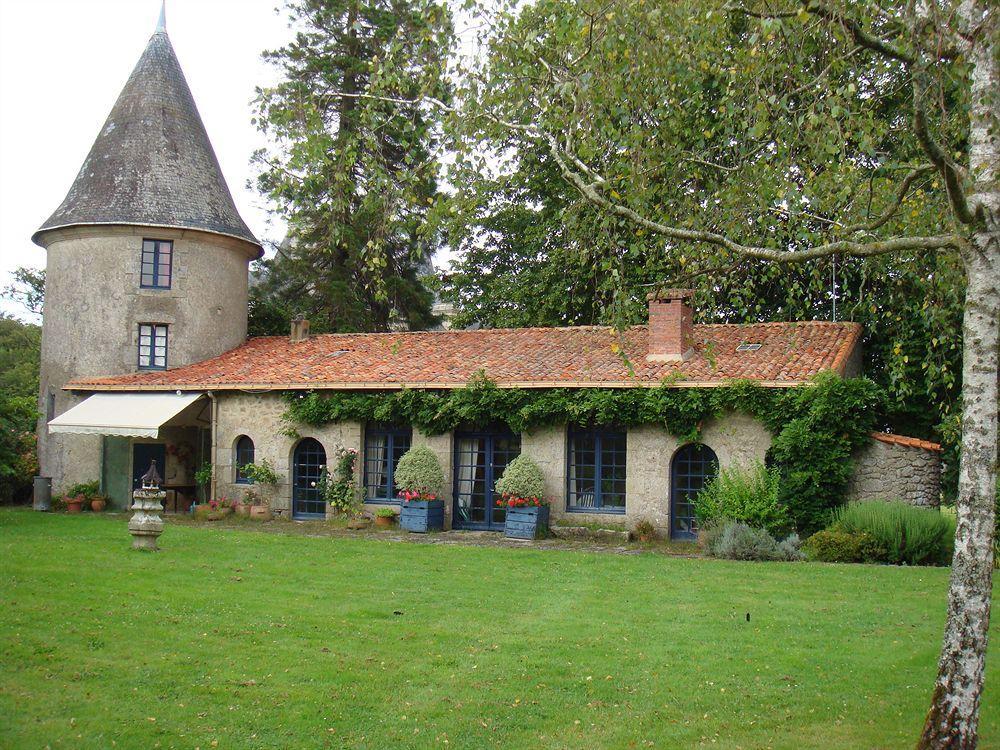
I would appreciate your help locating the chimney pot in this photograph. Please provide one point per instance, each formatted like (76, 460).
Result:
(671, 330)
(300, 329)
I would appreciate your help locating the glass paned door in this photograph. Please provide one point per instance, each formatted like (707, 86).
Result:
(693, 467)
(308, 464)
(480, 458)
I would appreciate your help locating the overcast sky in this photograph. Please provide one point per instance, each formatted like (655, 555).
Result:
(62, 66)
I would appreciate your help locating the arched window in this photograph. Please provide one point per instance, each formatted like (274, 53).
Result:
(243, 454)
(308, 465)
(693, 466)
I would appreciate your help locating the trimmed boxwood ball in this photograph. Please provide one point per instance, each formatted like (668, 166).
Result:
(522, 478)
(420, 471)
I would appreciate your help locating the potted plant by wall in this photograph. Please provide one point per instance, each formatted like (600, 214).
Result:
(522, 492)
(203, 479)
(98, 503)
(85, 493)
(385, 518)
(266, 479)
(74, 503)
(421, 482)
(644, 531)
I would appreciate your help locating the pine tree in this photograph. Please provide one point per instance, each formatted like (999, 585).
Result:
(353, 173)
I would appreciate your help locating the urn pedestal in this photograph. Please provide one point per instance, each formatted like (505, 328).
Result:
(146, 524)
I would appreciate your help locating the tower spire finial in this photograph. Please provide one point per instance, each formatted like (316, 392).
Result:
(161, 25)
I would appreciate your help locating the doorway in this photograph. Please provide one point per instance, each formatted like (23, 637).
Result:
(480, 458)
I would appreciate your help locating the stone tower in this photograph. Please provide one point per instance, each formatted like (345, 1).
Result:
(147, 257)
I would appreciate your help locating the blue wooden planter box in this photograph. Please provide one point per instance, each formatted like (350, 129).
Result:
(422, 515)
(531, 522)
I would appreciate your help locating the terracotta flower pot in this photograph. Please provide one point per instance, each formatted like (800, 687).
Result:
(260, 512)
(98, 505)
(243, 510)
(385, 522)
(74, 504)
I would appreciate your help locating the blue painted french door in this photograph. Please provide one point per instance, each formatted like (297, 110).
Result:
(308, 465)
(480, 458)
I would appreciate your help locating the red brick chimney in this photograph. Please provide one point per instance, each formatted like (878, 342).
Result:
(671, 332)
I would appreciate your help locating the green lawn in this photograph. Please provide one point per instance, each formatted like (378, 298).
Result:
(243, 639)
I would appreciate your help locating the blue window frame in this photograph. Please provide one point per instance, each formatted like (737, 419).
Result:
(693, 466)
(308, 465)
(480, 459)
(384, 446)
(596, 471)
(152, 346)
(243, 455)
(157, 264)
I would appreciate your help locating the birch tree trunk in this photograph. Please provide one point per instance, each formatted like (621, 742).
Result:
(953, 718)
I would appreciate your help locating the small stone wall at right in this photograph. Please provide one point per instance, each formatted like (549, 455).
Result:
(896, 467)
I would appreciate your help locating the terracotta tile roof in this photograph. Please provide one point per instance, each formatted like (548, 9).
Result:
(581, 356)
(909, 442)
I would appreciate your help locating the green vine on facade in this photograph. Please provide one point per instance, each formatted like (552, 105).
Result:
(815, 428)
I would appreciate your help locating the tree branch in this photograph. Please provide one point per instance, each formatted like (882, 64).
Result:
(904, 188)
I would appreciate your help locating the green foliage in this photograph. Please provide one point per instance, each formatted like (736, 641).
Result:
(522, 479)
(352, 173)
(341, 490)
(833, 545)
(908, 535)
(815, 433)
(386, 513)
(28, 289)
(19, 353)
(733, 540)
(816, 428)
(203, 476)
(768, 130)
(748, 494)
(261, 472)
(89, 490)
(419, 471)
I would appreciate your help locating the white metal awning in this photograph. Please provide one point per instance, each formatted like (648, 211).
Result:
(131, 414)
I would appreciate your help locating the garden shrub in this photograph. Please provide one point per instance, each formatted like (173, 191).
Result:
(522, 478)
(733, 540)
(419, 471)
(832, 545)
(745, 494)
(907, 534)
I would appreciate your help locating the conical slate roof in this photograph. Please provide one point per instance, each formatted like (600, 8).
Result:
(152, 163)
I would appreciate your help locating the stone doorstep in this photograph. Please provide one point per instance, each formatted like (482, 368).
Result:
(587, 534)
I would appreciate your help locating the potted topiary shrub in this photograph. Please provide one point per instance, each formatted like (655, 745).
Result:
(522, 491)
(421, 483)
(385, 518)
(266, 478)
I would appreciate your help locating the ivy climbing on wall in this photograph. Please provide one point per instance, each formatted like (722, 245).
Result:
(816, 428)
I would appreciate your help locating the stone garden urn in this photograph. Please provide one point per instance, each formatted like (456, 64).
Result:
(147, 503)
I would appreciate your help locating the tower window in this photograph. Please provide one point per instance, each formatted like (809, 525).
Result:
(157, 260)
(152, 346)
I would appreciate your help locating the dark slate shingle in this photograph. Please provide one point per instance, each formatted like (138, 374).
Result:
(152, 162)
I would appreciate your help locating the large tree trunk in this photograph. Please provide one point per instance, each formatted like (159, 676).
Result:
(953, 718)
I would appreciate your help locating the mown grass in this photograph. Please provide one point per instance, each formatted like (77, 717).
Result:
(243, 639)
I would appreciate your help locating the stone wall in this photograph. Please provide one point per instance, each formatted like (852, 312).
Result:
(258, 416)
(893, 467)
(94, 304)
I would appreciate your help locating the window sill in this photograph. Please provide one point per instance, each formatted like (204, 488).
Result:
(381, 501)
(597, 511)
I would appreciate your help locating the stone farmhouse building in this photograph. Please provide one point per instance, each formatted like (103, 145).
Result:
(144, 356)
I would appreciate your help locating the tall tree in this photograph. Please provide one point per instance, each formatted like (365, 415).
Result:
(786, 132)
(354, 176)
